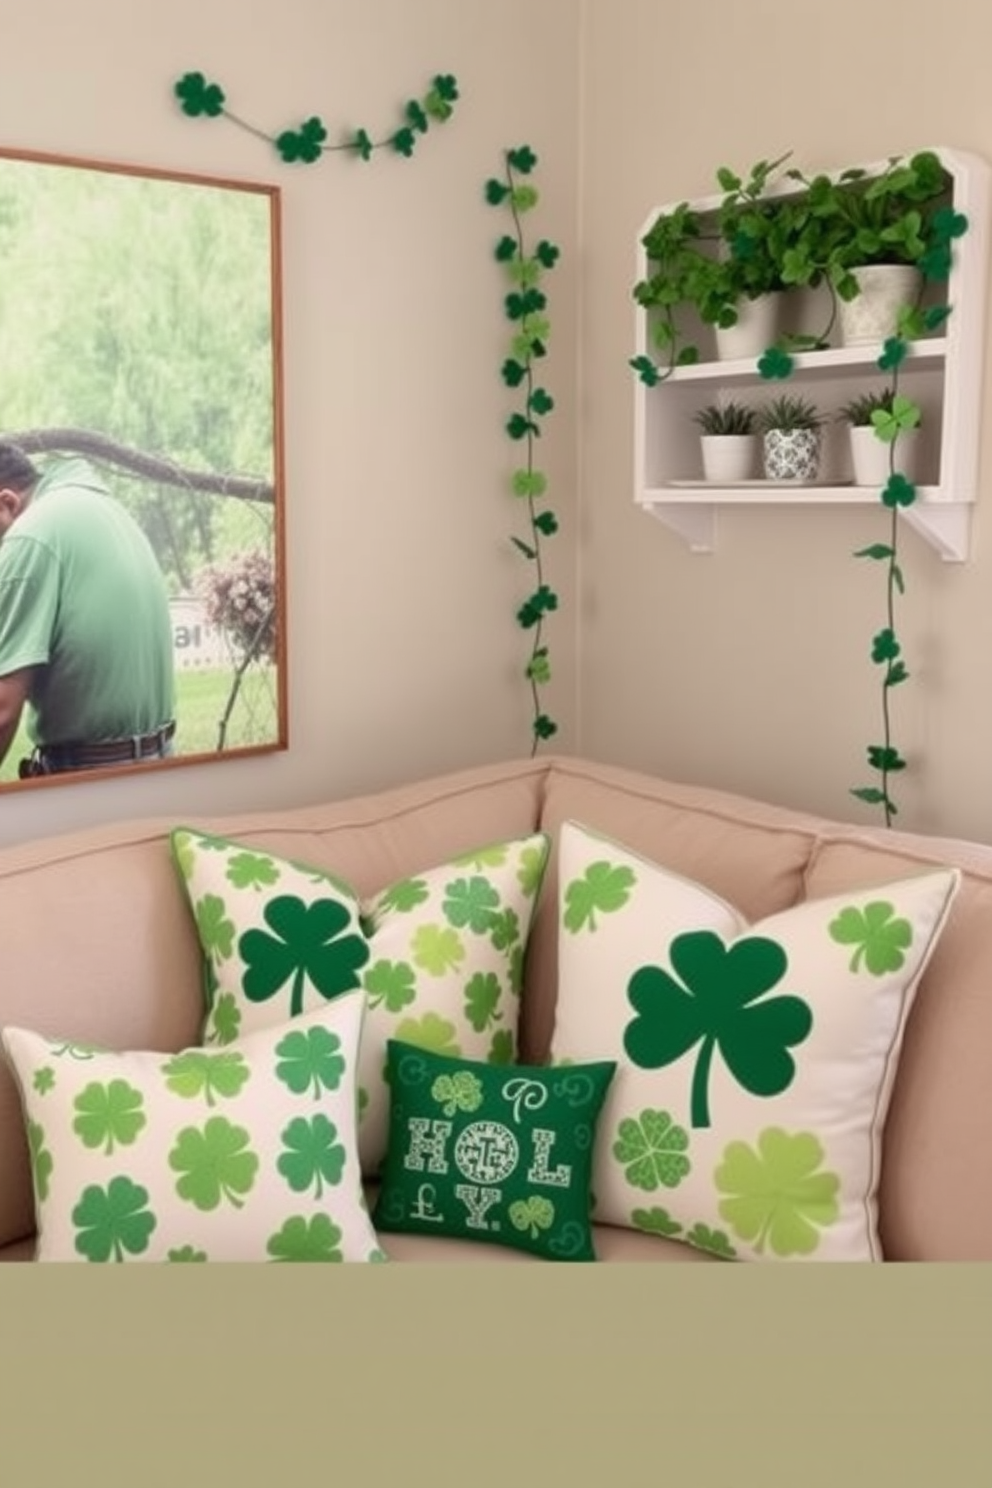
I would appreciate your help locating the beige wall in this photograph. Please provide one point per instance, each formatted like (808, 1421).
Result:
(748, 669)
(405, 654)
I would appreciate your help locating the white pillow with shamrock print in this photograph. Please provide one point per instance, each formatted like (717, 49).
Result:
(755, 1062)
(440, 955)
(237, 1155)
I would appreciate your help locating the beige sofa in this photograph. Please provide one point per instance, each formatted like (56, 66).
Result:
(98, 945)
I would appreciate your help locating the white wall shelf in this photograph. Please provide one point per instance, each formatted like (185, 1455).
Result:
(943, 373)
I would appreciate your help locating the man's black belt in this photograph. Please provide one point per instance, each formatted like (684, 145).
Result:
(107, 752)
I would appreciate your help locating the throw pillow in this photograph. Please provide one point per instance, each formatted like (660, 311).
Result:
(236, 1155)
(755, 1062)
(440, 955)
(493, 1154)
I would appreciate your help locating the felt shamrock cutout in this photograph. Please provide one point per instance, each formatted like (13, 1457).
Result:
(898, 491)
(775, 363)
(304, 144)
(889, 423)
(197, 96)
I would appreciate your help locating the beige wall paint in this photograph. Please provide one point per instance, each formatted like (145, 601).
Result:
(405, 657)
(749, 669)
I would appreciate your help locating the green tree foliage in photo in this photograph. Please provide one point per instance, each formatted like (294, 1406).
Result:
(140, 310)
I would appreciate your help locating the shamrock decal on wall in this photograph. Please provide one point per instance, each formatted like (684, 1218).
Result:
(713, 1001)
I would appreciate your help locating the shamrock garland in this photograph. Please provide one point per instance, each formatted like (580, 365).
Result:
(305, 145)
(898, 492)
(525, 308)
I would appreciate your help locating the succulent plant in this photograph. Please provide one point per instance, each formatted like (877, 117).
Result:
(789, 412)
(860, 409)
(726, 418)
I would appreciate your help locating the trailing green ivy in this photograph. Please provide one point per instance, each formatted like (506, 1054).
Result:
(898, 493)
(525, 308)
(307, 144)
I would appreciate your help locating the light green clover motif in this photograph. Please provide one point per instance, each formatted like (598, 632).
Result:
(41, 1159)
(392, 983)
(470, 903)
(878, 937)
(437, 949)
(44, 1079)
(313, 1239)
(532, 1215)
(186, 1253)
(652, 1150)
(429, 1032)
(225, 1020)
(109, 1113)
(531, 870)
(313, 1155)
(712, 1000)
(504, 929)
(714, 1242)
(461, 1091)
(482, 993)
(483, 857)
(776, 1195)
(215, 929)
(310, 1059)
(501, 1049)
(308, 944)
(404, 896)
(248, 870)
(193, 1073)
(516, 968)
(603, 889)
(112, 1220)
(216, 1163)
(656, 1221)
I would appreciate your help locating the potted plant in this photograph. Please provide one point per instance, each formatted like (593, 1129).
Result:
(728, 442)
(870, 239)
(710, 264)
(792, 430)
(883, 426)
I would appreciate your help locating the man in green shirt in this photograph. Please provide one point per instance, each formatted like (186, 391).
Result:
(85, 630)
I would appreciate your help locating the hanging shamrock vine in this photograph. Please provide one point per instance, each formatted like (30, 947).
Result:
(307, 144)
(898, 493)
(525, 308)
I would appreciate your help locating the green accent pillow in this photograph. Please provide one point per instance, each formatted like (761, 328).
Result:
(498, 1155)
(755, 1062)
(205, 1155)
(440, 955)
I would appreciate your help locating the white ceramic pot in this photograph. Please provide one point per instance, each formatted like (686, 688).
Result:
(791, 454)
(873, 313)
(729, 457)
(870, 456)
(755, 330)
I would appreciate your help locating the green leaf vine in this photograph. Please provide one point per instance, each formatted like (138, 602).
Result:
(897, 494)
(307, 143)
(525, 307)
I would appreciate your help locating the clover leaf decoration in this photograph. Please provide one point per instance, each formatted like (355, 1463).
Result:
(305, 944)
(315, 1239)
(775, 363)
(776, 1194)
(198, 97)
(112, 1220)
(898, 491)
(461, 1091)
(532, 1215)
(713, 1000)
(305, 144)
(878, 935)
(652, 1150)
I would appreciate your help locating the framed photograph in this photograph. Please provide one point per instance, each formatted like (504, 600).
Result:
(141, 335)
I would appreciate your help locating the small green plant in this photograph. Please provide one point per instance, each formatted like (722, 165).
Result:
(708, 263)
(858, 412)
(788, 413)
(726, 418)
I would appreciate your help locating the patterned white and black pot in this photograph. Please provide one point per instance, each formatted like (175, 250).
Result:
(792, 454)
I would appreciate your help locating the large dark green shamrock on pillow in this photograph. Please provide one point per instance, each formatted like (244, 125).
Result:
(715, 1004)
(306, 944)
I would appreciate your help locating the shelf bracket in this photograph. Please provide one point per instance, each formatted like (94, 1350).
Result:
(695, 524)
(945, 526)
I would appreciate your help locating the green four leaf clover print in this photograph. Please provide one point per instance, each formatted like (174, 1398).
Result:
(112, 1220)
(461, 1091)
(310, 1059)
(714, 1003)
(315, 1239)
(108, 1114)
(652, 1150)
(429, 1032)
(41, 1159)
(193, 1074)
(215, 929)
(532, 1215)
(313, 1155)
(776, 1195)
(216, 1163)
(878, 936)
(307, 946)
(391, 983)
(602, 889)
(470, 904)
